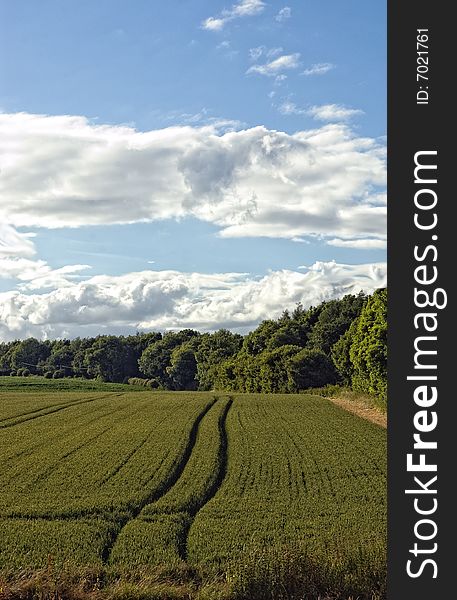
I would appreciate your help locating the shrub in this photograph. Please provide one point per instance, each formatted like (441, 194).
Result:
(59, 374)
(312, 368)
(152, 383)
(48, 375)
(25, 372)
(13, 373)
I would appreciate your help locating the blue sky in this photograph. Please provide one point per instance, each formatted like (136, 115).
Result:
(303, 81)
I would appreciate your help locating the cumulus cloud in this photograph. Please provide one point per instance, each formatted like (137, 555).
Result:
(274, 67)
(318, 69)
(284, 14)
(171, 299)
(333, 112)
(63, 171)
(244, 8)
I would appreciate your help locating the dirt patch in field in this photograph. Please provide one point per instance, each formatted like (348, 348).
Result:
(362, 410)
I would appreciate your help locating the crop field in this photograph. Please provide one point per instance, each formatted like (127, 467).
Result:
(234, 486)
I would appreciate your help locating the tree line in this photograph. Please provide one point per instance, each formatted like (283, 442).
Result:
(339, 341)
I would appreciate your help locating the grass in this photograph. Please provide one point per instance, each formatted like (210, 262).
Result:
(37, 383)
(114, 496)
(347, 394)
(280, 574)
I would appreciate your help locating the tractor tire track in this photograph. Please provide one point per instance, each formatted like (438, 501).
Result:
(168, 483)
(214, 488)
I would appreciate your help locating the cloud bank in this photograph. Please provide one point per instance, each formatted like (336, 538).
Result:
(64, 171)
(171, 299)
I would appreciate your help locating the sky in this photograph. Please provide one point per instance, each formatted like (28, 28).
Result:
(187, 164)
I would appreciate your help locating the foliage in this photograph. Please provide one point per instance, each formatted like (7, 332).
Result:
(341, 357)
(211, 351)
(183, 368)
(311, 368)
(110, 359)
(157, 356)
(368, 351)
(28, 353)
(335, 318)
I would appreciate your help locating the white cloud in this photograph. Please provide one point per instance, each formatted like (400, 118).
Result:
(282, 63)
(170, 299)
(333, 112)
(37, 274)
(63, 171)
(361, 244)
(14, 243)
(318, 69)
(256, 53)
(290, 108)
(259, 51)
(284, 14)
(244, 8)
(325, 112)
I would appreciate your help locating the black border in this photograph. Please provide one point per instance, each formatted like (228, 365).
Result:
(412, 128)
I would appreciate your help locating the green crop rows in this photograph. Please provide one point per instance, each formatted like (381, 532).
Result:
(300, 471)
(134, 480)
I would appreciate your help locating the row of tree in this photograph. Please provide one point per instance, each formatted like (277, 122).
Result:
(339, 341)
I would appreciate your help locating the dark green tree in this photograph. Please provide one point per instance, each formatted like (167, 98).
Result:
(368, 351)
(340, 354)
(311, 368)
(275, 375)
(157, 356)
(29, 353)
(109, 358)
(334, 320)
(183, 368)
(257, 341)
(212, 350)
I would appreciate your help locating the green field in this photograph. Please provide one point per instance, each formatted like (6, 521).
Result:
(35, 383)
(253, 496)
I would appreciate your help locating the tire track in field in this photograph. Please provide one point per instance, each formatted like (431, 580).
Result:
(167, 484)
(214, 488)
(58, 408)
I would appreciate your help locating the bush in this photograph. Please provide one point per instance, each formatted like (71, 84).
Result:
(149, 383)
(152, 383)
(48, 375)
(59, 374)
(25, 372)
(312, 368)
(13, 373)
